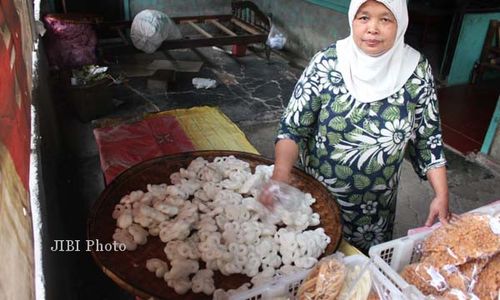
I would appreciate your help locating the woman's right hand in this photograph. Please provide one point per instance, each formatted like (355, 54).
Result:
(286, 152)
(266, 195)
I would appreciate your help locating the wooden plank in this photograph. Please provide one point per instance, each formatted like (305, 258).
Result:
(219, 41)
(222, 27)
(199, 29)
(201, 19)
(122, 36)
(245, 27)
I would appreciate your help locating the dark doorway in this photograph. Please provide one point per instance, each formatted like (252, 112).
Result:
(466, 109)
(108, 9)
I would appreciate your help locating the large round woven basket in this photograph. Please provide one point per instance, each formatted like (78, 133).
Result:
(127, 268)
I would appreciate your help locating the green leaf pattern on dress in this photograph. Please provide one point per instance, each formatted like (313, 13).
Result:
(356, 149)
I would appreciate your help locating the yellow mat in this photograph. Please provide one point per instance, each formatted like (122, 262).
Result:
(348, 249)
(209, 129)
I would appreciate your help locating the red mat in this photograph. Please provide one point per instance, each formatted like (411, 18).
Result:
(125, 145)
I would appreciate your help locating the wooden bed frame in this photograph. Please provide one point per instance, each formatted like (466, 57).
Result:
(246, 25)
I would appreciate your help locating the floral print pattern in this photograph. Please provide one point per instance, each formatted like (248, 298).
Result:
(301, 95)
(356, 149)
(368, 235)
(329, 78)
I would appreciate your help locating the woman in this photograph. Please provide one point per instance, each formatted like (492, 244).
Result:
(354, 110)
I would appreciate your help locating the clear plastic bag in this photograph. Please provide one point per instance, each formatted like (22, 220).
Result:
(342, 278)
(150, 28)
(284, 195)
(204, 83)
(276, 39)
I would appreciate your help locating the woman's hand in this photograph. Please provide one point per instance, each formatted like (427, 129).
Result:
(286, 152)
(438, 209)
(266, 195)
(439, 206)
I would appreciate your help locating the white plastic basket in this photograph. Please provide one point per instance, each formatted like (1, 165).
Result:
(391, 257)
(286, 287)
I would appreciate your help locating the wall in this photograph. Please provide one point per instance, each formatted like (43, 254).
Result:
(16, 234)
(308, 27)
(469, 46)
(491, 145)
(50, 152)
(339, 5)
(175, 8)
(495, 147)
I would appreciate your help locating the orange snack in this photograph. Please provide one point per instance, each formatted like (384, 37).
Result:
(324, 282)
(488, 284)
(470, 237)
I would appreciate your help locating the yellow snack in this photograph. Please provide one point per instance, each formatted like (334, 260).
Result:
(324, 282)
(354, 288)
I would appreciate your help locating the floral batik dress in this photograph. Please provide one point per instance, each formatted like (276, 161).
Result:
(356, 149)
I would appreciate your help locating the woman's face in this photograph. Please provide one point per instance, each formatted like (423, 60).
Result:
(374, 28)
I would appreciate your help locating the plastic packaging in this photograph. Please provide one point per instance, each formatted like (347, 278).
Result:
(289, 286)
(276, 39)
(452, 261)
(325, 280)
(150, 28)
(70, 42)
(88, 74)
(454, 255)
(349, 278)
(204, 83)
(285, 195)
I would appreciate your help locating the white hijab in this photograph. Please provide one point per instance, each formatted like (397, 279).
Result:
(370, 78)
